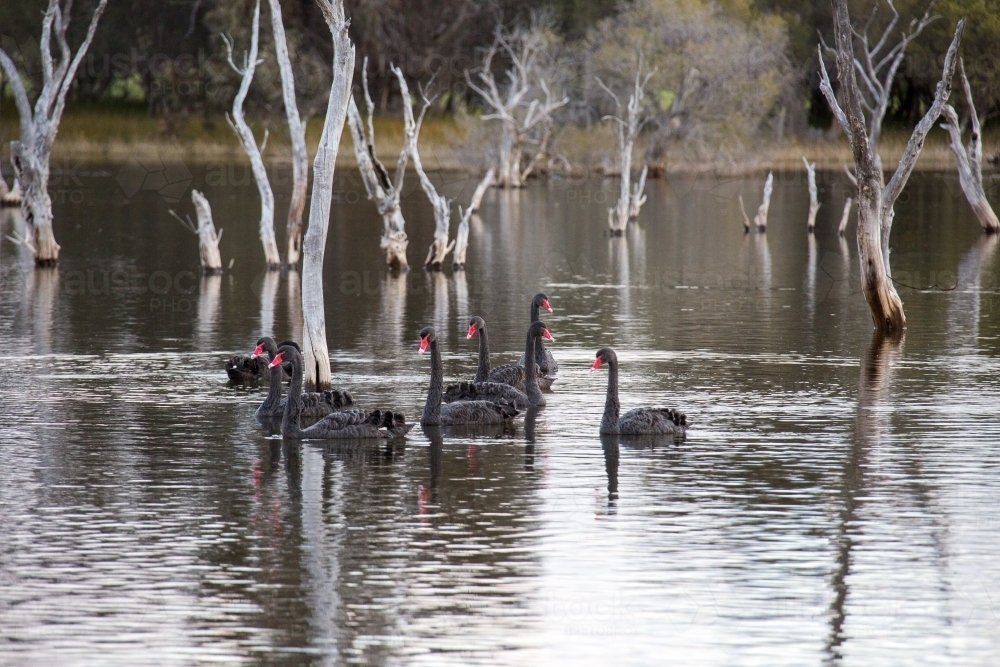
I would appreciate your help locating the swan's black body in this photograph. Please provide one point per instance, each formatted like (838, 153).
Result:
(512, 374)
(314, 404)
(486, 391)
(352, 423)
(639, 421)
(463, 412)
(246, 370)
(543, 358)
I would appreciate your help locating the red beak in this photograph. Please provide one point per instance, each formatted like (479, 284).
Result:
(546, 335)
(278, 358)
(472, 331)
(546, 306)
(257, 351)
(423, 345)
(597, 365)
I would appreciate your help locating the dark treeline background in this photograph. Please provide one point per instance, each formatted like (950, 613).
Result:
(166, 57)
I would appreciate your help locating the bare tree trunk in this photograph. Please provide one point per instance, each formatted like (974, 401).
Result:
(970, 159)
(813, 200)
(239, 124)
(760, 220)
(462, 237)
(297, 132)
(875, 202)
(638, 196)
(383, 191)
(208, 239)
(30, 155)
(314, 346)
(845, 216)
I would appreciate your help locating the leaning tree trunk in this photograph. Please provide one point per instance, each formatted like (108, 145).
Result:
(208, 238)
(271, 255)
(875, 201)
(314, 347)
(38, 126)
(845, 216)
(462, 237)
(638, 197)
(970, 159)
(297, 132)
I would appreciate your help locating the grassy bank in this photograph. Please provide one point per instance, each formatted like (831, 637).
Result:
(445, 143)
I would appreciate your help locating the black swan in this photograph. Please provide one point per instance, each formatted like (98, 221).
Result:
(639, 421)
(486, 391)
(314, 404)
(244, 370)
(543, 358)
(351, 423)
(512, 374)
(463, 412)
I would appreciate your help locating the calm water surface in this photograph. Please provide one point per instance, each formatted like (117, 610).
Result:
(835, 501)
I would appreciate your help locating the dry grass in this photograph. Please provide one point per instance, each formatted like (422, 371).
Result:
(446, 144)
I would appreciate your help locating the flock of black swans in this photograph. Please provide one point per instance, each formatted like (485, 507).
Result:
(495, 396)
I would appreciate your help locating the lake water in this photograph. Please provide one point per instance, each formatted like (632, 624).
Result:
(835, 501)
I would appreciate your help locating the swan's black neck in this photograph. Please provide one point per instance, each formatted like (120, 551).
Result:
(539, 347)
(290, 424)
(609, 422)
(531, 371)
(432, 408)
(274, 388)
(483, 370)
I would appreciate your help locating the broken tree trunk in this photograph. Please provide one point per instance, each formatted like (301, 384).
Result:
(759, 220)
(385, 192)
(970, 158)
(239, 125)
(627, 129)
(875, 201)
(314, 347)
(813, 200)
(297, 132)
(638, 195)
(462, 237)
(30, 155)
(208, 238)
(845, 216)
(440, 246)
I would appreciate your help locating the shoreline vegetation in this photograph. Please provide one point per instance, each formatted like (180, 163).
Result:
(452, 144)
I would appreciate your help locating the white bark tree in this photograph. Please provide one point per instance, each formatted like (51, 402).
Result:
(30, 154)
(759, 220)
(877, 67)
(208, 238)
(297, 133)
(875, 198)
(627, 128)
(813, 198)
(382, 189)
(462, 237)
(239, 124)
(970, 158)
(525, 116)
(845, 217)
(314, 347)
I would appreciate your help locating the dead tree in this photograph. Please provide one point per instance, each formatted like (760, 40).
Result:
(813, 200)
(30, 155)
(239, 124)
(877, 66)
(462, 237)
(627, 129)
(208, 238)
(382, 189)
(440, 246)
(315, 351)
(523, 121)
(297, 133)
(970, 158)
(875, 199)
(845, 216)
(759, 220)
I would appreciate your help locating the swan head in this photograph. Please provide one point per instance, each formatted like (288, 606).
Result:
(427, 337)
(265, 344)
(539, 330)
(286, 354)
(605, 355)
(475, 324)
(541, 301)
